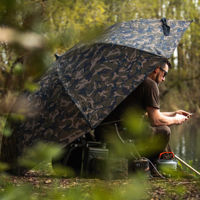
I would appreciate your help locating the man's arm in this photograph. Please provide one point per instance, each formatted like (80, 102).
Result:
(169, 114)
(158, 118)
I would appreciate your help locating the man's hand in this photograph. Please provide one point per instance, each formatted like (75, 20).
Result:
(185, 113)
(158, 118)
(180, 118)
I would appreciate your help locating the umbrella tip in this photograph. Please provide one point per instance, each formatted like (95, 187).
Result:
(166, 28)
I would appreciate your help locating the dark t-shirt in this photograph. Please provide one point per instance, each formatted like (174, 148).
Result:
(145, 95)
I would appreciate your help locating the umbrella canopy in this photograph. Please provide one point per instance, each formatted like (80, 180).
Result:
(159, 37)
(89, 81)
(98, 77)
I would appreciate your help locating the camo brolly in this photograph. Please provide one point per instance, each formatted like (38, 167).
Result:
(98, 77)
(88, 82)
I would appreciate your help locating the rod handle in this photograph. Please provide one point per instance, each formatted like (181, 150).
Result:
(183, 162)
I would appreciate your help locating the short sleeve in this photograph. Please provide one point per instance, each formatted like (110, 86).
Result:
(151, 94)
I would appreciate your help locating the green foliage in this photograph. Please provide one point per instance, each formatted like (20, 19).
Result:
(3, 167)
(30, 86)
(63, 171)
(134, 188)
(5, 127)
(41, 152)
(133, 122)
(14, 193)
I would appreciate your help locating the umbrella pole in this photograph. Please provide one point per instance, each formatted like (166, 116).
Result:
(183, 162)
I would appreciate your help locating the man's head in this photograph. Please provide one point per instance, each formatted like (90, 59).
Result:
(160, 72)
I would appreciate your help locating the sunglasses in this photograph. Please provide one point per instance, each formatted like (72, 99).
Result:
(165, 72)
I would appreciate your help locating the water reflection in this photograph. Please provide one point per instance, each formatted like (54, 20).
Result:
(185, 142)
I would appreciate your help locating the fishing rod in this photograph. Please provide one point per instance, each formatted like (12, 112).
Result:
(183, 162)
(187, 165)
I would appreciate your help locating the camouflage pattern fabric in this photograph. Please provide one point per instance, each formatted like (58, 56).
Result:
(146, 35)
(98, 77)
(57, 119)
(89, 81)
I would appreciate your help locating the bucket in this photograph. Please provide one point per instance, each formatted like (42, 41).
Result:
(167, 164)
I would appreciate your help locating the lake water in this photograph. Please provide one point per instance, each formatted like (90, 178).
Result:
(185, 141)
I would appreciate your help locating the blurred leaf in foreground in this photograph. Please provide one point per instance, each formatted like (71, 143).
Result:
(32, 87)
(4, 127)
(16, 193)
(3, 166)
(28, 40)
(63, 171)
(41, 152)
(135, 188)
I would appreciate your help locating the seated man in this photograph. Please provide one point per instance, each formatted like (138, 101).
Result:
(145, 98)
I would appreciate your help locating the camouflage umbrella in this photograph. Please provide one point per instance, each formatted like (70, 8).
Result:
(90, 80)
(98, 77)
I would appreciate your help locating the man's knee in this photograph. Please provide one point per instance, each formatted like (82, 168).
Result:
(165, 131)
